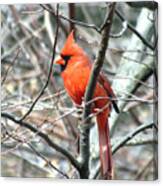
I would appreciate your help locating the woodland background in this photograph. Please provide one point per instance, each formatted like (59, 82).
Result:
(27, 38)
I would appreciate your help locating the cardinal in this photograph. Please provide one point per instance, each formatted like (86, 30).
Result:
(75, 71)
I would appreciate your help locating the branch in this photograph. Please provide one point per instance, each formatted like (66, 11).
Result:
(86, 25)
(128, 66)
(39, 154)
(72, 21)
(144, 169)
(131, 135)
(122, 31)
(84, 129)
(10, 67)
(141, 141)
(99, 61)
(135, 31)
(47, 161)
(44, 136)
(50, 69)
(71, 15)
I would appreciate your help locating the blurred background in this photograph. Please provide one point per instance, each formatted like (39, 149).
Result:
(27, 37)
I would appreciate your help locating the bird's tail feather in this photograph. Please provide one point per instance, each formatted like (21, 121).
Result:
(105, 147)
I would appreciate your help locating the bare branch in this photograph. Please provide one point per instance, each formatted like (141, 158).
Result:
(131, 135)
(10, 67)
(84, 137)
(50, 69)
(86, 25)
(144, 169)
(135, 31)
(44, 136)
(122, 31)
(71, 15)
(136, 141)
(47, 161)
(71, 20)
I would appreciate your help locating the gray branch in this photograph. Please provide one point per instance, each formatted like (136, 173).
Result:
(129, 67)
(84, 129)
(44, 136)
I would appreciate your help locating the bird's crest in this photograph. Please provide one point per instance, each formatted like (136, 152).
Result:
(71, 47)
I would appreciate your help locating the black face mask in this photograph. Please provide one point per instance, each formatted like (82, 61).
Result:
(66, 59)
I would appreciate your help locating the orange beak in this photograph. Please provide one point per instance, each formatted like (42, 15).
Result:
(59, 61)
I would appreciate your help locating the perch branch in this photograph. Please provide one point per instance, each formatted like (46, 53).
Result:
(84, 129)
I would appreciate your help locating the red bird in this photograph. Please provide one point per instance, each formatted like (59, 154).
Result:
(76, 68)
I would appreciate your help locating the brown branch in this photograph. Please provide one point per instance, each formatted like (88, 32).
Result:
(47, 161)
(10, 67)
(72, 21)
(87, 25)
(44, 136)
(50, 69)
(84, 129)
(39, 154)
(72, 15)
(135, 103)
(144, 169)
(99, 61)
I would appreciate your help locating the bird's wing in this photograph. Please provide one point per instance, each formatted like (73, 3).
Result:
(105, 83)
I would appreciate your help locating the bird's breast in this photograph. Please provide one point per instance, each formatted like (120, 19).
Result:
(75, 82)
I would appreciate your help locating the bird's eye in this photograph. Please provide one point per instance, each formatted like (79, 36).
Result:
(65, 57)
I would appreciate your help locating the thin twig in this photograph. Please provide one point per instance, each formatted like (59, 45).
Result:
(47, 161)
(134, 79)
(86, 25)
(10, 66)
(122, 31)
(135, 31)
(45, 98)
(71, 20)
(144, 169)
(50, 69)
